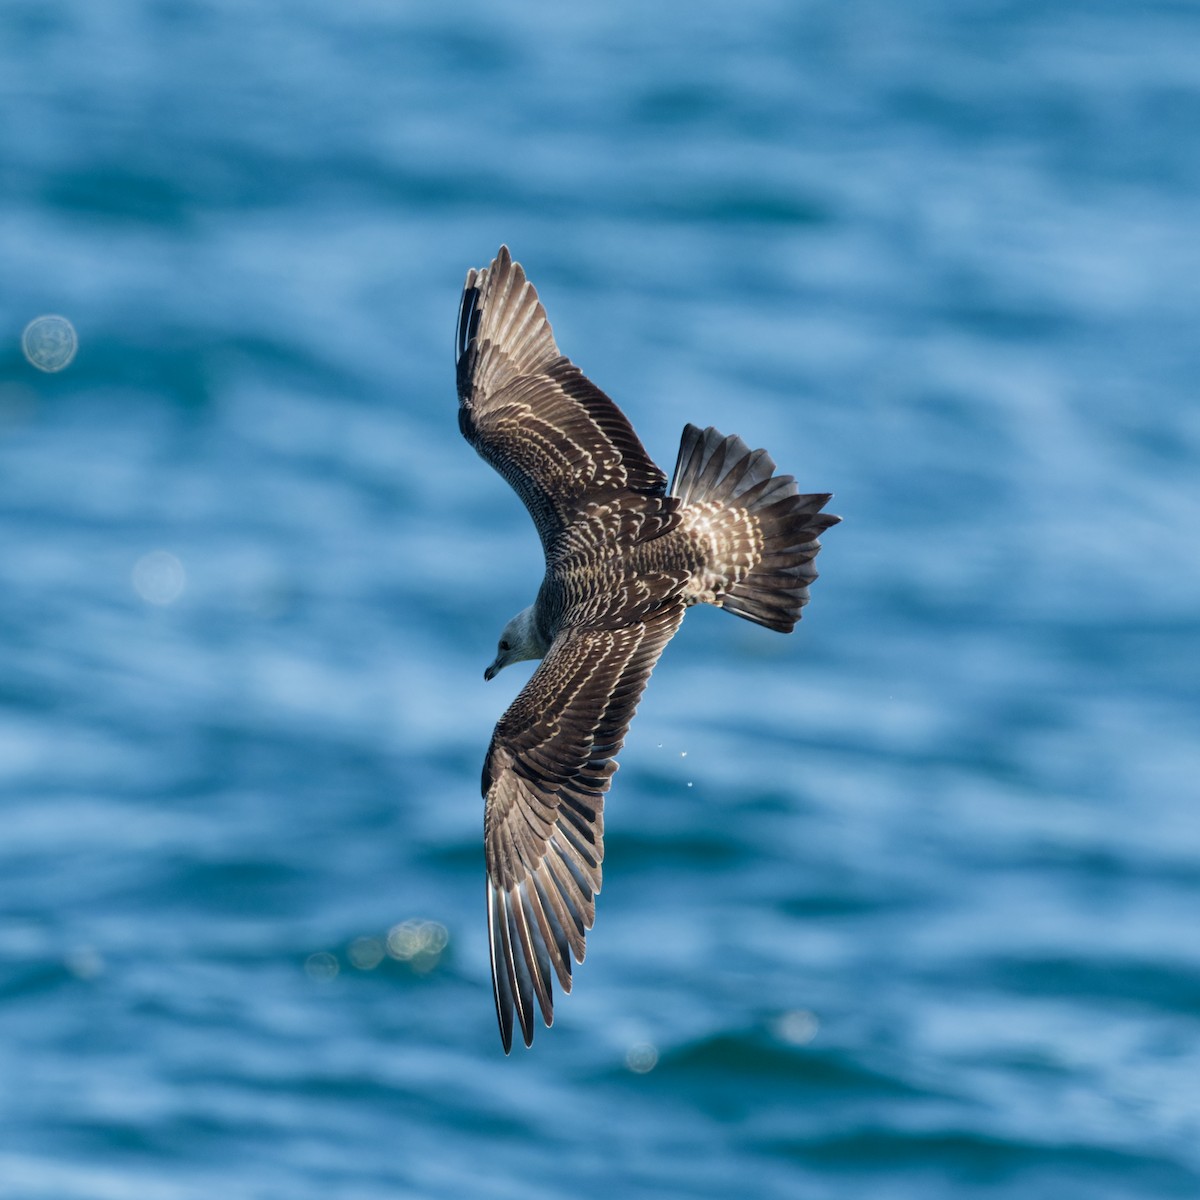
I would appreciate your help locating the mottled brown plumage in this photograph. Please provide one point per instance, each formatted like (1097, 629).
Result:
(625, 557)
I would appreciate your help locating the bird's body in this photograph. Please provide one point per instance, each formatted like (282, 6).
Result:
(626, 555)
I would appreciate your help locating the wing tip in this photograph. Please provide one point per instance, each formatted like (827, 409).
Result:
(501, 988)
(520, 984)
(470, 308)
(502, 326)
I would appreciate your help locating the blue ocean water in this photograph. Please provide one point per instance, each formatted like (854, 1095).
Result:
(902, 906)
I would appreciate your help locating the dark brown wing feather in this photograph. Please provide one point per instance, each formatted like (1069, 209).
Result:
(547, 769)
(531, 413)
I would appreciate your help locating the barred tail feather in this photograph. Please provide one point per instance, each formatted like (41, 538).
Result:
(762, 530)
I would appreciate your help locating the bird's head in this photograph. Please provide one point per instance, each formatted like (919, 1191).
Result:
(518, 642)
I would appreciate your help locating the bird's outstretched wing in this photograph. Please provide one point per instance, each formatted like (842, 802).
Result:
(534, 415)
(547, 769)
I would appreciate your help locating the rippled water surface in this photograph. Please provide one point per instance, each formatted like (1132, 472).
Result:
(903, 906)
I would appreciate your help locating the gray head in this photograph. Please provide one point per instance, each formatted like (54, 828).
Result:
(518, 642)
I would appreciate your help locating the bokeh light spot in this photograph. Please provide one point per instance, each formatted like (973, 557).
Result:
(642, 1057)
(50, 342)
(365, 953)
(85, 963)
(321, 966)
(159, 578)
(418, 943)
(799, 1026)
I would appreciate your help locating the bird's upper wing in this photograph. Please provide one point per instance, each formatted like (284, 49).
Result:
(547, 769)
(531, 413)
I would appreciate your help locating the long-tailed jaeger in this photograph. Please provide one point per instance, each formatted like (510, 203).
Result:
(626, 555)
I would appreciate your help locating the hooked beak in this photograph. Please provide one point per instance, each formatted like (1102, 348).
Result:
(491, 672)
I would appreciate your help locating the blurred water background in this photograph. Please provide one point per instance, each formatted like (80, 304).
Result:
(903, 906)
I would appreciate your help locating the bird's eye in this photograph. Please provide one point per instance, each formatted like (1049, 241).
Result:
(505, 646)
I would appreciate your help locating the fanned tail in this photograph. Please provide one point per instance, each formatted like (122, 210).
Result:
(761, 531)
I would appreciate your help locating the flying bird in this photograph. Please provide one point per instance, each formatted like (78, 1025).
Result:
(626, 556)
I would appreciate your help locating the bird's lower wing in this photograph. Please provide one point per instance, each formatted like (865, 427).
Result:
(550, 763)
